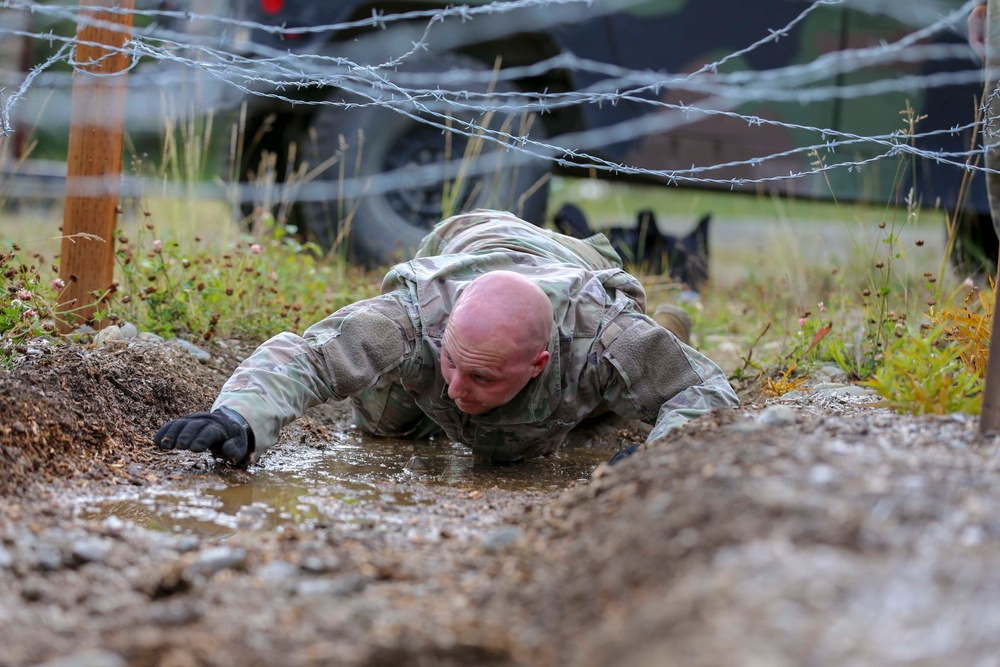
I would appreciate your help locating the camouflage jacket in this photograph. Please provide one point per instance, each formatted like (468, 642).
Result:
(605, 352)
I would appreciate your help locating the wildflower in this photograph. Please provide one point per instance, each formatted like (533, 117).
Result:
(255, 248)
(24, 295)
(802, 321)
(822, 308)
(273, 276)
(28, 314)
(58, 284)
(157, 246)
(16, 303)
(967, 284)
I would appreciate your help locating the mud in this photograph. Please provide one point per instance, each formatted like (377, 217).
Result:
(818, 529)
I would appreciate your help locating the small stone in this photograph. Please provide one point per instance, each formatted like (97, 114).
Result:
(113, 525)
(195, 351)
(83, 329)
(854, 390)
(94, 657)
(91, 551)
(6, 560)
(149, 337)
(821, 474)
(215, 560)
(827, 386)
(831, 373)
(502, 538)
(108, 334)
(176, 612)
(747, 426)
(129, 330)
(339, 587)
(415, 464)
(187, 543)
(318, 565)
(777, 415)
(277, 570)
(49, 558)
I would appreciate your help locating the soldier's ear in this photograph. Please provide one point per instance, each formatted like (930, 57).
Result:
(539, 363)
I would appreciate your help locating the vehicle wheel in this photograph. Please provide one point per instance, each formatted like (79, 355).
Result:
(976, 244)
(384, 227)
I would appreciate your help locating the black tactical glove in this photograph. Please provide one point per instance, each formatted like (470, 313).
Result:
(624, 454)
(223, 432)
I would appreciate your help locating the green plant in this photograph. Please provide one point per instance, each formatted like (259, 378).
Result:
(969, 326)
(888, 293)
(27, 304)
(925, 374)
(253, 289)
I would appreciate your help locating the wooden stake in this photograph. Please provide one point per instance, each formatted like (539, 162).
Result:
(94, 162)
(989, 415)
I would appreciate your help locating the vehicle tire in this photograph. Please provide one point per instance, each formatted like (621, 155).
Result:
(384, 227)
(976, 245)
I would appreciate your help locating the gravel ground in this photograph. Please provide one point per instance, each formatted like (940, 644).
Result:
(816, 529)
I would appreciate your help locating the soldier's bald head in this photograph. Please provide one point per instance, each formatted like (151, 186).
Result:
(507, 306)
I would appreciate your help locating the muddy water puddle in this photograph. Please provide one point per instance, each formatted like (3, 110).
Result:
(352, 482)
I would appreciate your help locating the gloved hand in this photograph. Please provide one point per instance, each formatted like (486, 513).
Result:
(223, 432)
(624, 453)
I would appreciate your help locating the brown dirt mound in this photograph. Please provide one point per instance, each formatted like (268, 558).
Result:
(74, 411)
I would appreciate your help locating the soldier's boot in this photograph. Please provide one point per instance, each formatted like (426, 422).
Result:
(675, 320)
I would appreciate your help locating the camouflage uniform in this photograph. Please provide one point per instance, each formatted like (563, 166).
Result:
(384, 353)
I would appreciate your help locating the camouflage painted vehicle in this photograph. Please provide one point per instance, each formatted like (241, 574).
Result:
(669, 36)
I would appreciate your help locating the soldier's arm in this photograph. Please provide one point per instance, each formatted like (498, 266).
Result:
(338, 357)
(649, 375)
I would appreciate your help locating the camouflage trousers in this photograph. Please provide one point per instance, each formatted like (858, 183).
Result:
(991, 110)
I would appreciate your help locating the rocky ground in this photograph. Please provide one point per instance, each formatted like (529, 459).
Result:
(813, 530)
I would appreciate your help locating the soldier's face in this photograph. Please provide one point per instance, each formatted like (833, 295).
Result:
(485, 374)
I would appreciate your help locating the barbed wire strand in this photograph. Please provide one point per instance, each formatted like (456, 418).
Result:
(727, 90)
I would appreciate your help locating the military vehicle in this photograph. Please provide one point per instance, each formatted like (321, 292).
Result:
(594, 63)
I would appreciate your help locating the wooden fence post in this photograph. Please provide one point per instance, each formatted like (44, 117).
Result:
(989, 413)
(94, 160)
